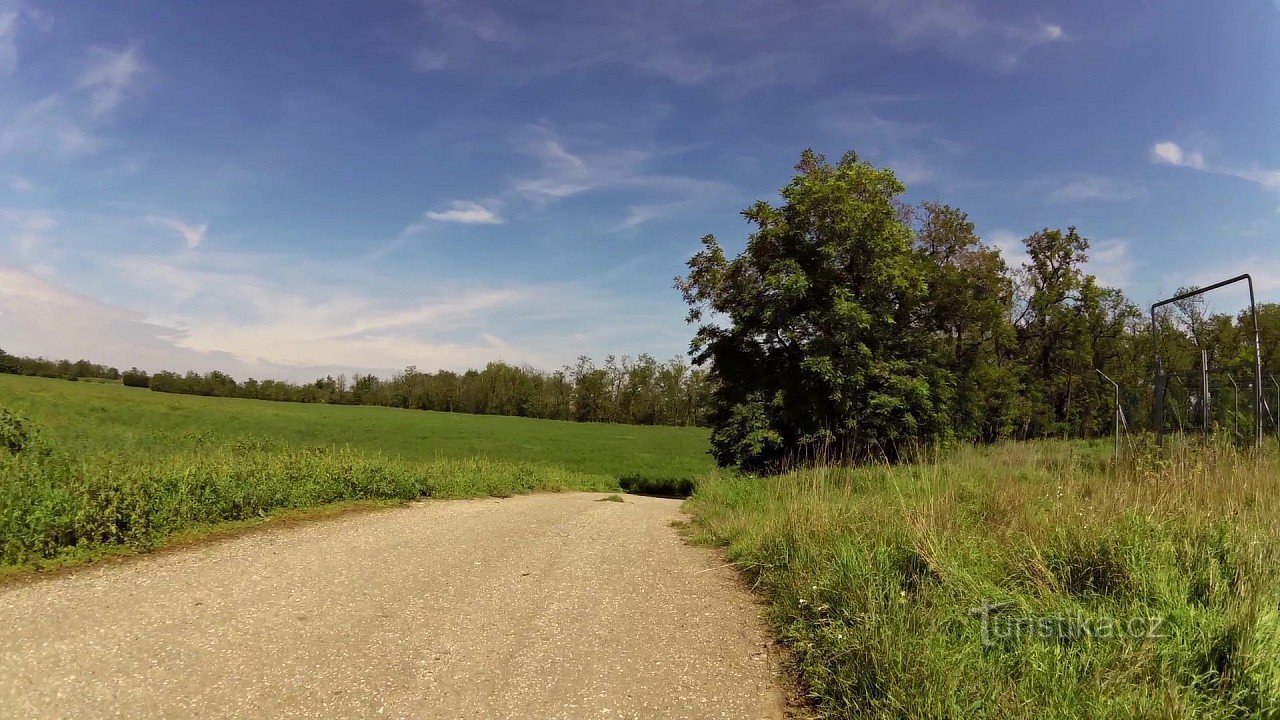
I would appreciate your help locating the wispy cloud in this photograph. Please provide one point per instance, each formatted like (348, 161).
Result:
(8, 40)
(1094, 187)
(192, 233)
(20, 184)
(564, 173)
(1110, 262)
(64, 122)
(425, 60)
(14, 16)
(111, 76)
(1171, 153)
(49, 126)
(957, 29)
(465, 212)
(26, 229)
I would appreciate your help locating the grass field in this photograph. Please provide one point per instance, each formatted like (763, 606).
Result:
(114, 467)
(95, 417)
(1021, 581)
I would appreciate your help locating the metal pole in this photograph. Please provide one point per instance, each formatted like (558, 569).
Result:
(1115, 415)
(1277, 384)
(1204, 391)
(1235, 409)
(1159, 409)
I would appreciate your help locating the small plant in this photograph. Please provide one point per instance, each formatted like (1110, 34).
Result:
(16, 431)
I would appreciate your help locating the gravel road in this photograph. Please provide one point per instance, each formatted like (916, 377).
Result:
(539, 606)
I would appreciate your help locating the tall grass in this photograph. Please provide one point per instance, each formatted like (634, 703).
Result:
(877, 578)
(54, 505)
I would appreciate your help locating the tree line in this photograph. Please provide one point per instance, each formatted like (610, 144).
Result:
(856, 326)
(640, 390)
(852, 325)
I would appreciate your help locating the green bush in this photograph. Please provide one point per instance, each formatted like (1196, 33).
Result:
(659, 487)
(16, 432)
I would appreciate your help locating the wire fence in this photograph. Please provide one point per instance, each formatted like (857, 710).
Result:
(1226, 408)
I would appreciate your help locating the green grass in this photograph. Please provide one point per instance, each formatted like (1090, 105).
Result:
(872, 575)
(92, 417)
(116, 467)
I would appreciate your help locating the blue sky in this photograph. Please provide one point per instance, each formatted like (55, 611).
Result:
(284, 189)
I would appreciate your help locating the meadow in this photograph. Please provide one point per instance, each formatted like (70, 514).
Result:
(100, 417)
(1032, 580)
(106, 467)
(1020, 580)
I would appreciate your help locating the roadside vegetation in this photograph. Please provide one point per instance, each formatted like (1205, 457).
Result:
(1144, 588)
(92, 469)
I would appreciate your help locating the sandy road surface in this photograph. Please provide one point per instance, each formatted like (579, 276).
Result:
(541, 606)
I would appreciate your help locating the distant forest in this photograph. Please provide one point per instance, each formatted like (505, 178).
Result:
(638, 391)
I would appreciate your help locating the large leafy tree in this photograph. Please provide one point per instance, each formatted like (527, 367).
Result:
(968, 308)
(812, 333)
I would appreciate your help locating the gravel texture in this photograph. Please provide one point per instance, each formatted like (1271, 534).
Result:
(539, 606)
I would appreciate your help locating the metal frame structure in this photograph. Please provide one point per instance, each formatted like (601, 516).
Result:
(1257, 356)
(1118, 413)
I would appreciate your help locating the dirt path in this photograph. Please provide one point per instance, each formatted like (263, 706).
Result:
(542, 606)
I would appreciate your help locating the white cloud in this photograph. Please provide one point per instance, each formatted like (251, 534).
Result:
(1010, 246)
(8, 41)
(1170, 153)
(14, 16)
(26, 229)
(63, 122)
(466, 213)
(46, 126)
(564, 173)
(912, 170)
(1109, 261)
(192, 233)
(1092, 187)
(110, 77)
(19, 184)
(425, 60)
(955, 29)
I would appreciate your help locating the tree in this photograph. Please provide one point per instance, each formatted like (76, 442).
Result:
(9, 364)
(968, 308)
(810, 333)
(133, 377)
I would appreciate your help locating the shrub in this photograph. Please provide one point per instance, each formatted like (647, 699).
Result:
(16, 432)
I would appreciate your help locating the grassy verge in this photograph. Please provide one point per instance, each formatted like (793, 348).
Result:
(1022, 581)
(57, 508)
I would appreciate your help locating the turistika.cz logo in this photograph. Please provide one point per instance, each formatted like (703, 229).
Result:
(999, 627)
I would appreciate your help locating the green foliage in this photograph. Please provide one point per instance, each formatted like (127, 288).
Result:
(876, 578)
(133, 377)
(854, 327)
(9, 364)
(668, 487)
(812, 337)
(16, 433)
(52, 505)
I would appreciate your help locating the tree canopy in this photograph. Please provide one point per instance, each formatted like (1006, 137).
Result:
(854, 326)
